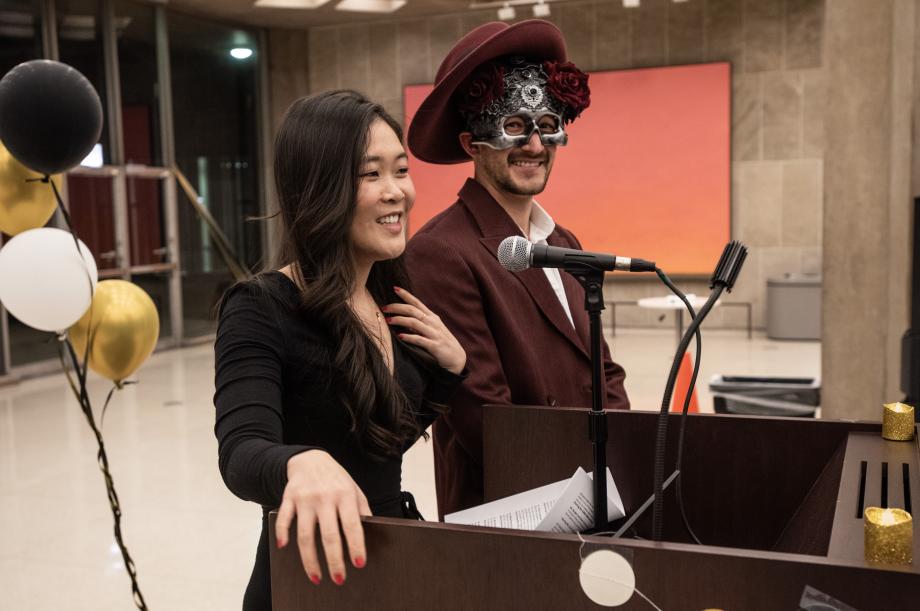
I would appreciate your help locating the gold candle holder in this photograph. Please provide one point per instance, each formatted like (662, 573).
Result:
(889, 535)
(898, 422)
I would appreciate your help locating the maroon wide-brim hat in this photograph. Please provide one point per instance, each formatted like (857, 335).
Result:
(436, 125)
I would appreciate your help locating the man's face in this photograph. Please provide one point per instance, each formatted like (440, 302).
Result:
(521, 170)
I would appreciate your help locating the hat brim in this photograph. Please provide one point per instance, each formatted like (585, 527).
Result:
(432, 135)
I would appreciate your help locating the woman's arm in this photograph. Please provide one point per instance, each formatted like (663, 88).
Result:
(248, 357)
(255, 462)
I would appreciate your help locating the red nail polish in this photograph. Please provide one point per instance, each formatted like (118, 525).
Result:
(397, 289)
(385, 309)
(315, 579)
(279, 544)
(359, 562)
(401, 335)
(338, 579)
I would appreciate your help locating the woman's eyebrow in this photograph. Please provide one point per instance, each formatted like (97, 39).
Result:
(375, 158)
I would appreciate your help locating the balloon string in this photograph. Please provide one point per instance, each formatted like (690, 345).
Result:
(63, 209)
(89, 326)
(65, 367)
(105, 407)
(67, 220)
(103, 462)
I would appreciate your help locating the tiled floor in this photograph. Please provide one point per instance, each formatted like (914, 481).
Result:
(191, 540)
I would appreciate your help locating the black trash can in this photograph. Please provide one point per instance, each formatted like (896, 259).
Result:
(764, 396)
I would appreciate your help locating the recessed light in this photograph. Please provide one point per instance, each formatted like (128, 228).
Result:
(506, 13)
(370, 6)
(241, 53)
(308, 4)
(541, 9)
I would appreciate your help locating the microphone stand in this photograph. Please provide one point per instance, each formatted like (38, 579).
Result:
(592, 279)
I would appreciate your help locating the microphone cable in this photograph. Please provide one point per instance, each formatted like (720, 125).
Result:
(683, 414)
(724, 276)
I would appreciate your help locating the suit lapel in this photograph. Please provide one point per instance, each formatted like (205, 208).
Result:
(496, 225)
(574, 290)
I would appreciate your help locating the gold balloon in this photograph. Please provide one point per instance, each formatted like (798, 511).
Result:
(122, 326)
(23, 205)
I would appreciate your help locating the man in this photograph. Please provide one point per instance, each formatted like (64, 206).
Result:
(501, 98)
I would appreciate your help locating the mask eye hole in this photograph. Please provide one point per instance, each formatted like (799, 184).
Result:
(514, 126)
(548, 124)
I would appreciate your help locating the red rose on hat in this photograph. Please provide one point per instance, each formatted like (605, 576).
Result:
(484, 87)
(569, 85)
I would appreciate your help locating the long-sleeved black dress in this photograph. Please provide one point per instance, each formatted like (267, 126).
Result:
(276, 397)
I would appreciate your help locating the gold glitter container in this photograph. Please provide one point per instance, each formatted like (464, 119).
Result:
(889, 536)
(898, 422)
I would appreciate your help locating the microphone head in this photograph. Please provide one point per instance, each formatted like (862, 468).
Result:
(514, 253)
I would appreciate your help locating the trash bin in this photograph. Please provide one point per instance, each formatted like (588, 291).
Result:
(794, 307)
(764, 396)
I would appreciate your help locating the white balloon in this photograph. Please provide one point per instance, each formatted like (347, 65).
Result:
(44, 282)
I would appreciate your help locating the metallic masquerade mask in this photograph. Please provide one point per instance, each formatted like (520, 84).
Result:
(525, 104)
(517, 130)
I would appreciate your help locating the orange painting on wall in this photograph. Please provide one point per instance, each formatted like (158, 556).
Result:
(646, 173)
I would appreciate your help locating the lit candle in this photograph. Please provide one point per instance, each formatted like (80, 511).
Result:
(898, 422)
(889, 536)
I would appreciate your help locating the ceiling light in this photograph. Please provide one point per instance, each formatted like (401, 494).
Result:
(290, 3)
(506, 13)
(370, 6)
(630, 3)
(241, 53)
(541, 9)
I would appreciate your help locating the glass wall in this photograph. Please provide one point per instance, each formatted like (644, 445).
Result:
(216, 142)
(20, 33)
(128, 211)
(137, 66)
(80, 45)
(21, 41)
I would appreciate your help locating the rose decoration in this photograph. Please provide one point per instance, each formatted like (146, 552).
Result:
(484, 87)
(569, 85)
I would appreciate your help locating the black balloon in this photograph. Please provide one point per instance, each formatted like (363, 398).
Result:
(50, 115)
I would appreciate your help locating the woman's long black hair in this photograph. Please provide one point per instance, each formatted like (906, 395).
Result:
(318, 156)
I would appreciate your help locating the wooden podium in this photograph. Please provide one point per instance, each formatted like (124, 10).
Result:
(775, 501)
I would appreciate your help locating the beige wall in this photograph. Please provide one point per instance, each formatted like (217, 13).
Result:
(871, 50)
(775, 47)
(787, 55)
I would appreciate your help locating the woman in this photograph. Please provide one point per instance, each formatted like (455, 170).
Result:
(316, 400)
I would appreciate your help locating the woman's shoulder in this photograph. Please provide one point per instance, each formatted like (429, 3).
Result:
(270, 299)
(262, 289)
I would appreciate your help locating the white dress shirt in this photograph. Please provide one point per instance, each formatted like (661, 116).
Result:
(541, 226)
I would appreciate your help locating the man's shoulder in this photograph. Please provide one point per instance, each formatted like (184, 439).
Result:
(566, 236)
(454, 226)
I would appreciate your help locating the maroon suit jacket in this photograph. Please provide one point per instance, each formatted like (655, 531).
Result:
(520, 346)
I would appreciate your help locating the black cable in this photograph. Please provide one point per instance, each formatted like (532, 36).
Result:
(661, 438)
(683, 416)
(724, 276)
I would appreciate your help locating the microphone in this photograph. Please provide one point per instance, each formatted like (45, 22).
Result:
(516, 254)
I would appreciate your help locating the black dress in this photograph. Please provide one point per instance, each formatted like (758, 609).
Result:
(276, 397)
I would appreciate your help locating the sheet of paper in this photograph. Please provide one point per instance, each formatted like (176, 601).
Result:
(564, 506)
(523, 511)
(574, 511)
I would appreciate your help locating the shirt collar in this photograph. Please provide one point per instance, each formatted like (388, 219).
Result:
(541, 223)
